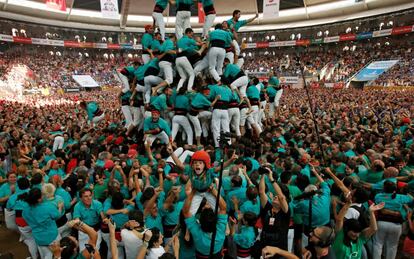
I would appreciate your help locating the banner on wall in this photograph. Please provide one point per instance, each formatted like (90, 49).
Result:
(374, 70)
(109, 8)
(271, 9)
(57, 4)
(85, 80)
(289, 79)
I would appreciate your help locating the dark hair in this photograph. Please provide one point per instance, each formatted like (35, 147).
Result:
(117, 201)
(23, 183)
(83, 191)
(226, 60)
(390, 187)
(361, 195)
(251, 194)
(188, 30)
(236, 181)
(146, 195)
(155, 237)
(218, 26)
(138, 216)
(69, 247)
(250, 218)
(236, 12)
(208, 220)
(285, 177)
(36, 179)
(256, 81)
(34, 196)
(167, 256)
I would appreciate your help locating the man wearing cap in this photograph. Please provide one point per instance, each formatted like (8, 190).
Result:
(210, 12)
(219, 38)
(156, 128)
(182, 21)
(160, 6)
(146, 42)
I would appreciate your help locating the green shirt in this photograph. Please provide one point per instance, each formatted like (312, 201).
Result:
(354, 251)
(236, 25)
(202, 240)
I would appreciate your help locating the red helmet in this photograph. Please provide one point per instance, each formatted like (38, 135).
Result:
(202, 155)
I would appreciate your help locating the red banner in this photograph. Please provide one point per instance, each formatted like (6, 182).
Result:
(71, 44)
(401, 30)
(315, 85)
(339, 85)
(302, 42)
(57, 4)
(201, 13)
(22, 40)
(262, 45)
(114, 46)
(345, 37)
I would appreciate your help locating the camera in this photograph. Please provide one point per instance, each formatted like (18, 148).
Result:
(263, 170)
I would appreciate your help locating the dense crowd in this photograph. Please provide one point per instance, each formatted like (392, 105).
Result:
(207, 162)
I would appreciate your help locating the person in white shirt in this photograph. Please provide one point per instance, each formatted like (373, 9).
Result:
(132, 234)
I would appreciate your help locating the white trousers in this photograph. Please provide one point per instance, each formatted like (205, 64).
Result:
(198, 198)
(234, 118)
(97, 119)
(186, 71)
(126, 110)
(26, 234)
(58, 143)
(240, 62)
(45, 252)
(253, 120)
(262, 111)
(277, 97)
(236, 47)
(181, 154)
(240, 83)
(201, 122)
(10, 219)
(386, 237)
(182, 22)
(167, 71)
(219, 122)
(181, 121)
(137, 116)
(124, 81)
(215, 62)
(161, 136)
(146, 58)
(149, 81)
(230, 56)
(120, 246)
(201, 65)
(208, 22)
(159, 21)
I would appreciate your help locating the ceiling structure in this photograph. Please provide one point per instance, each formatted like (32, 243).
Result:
(134, 14)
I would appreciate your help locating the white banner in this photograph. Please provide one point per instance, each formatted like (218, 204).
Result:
(109, 9)
(271, 9)
(382, 33)
(101, 45)
(331, 39)
(289, 79)
(137, 46)
(85, 80)
(4, 37)
(38, 41)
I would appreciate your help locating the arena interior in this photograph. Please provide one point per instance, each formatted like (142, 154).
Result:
(145, 129)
